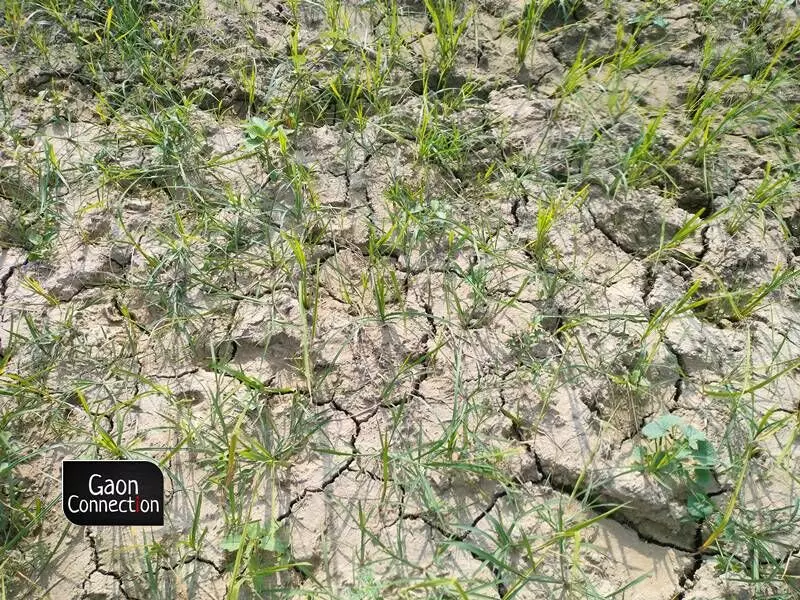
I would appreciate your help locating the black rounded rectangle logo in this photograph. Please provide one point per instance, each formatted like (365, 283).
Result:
(112, 492)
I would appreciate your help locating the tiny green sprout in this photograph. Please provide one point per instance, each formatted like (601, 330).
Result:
(531, 345)
(633, 379)
(648, 19)
(659, 22)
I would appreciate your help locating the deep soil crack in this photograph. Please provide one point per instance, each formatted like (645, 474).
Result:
(98, 567)
(344, 467)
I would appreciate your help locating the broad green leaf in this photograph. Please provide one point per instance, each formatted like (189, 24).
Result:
(272, 543)
(231, 542)
(704, 454)
(661, 426)
(703, 478)
(699, 506)
(270, 540)
(259, 122)
(692, 435)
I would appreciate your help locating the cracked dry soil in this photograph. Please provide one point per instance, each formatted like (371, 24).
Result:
(419, 359)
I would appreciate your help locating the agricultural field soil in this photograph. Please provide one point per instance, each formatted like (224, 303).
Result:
(406, 298)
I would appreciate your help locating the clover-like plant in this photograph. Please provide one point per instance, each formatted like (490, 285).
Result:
(676, 452)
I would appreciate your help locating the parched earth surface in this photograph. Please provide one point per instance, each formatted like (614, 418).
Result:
(403, 306)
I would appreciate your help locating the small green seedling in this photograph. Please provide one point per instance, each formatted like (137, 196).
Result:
(258, 131)
(267, 140)
(526, 29)
(260, 551)
(677, 452)
(448, 27)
